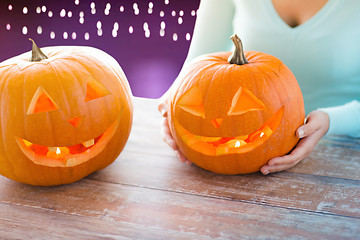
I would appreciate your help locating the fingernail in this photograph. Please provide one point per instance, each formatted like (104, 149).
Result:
(163, 112)
(301, 133)
(265, 172)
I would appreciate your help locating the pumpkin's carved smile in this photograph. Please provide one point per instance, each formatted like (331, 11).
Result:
(67, 156)
(215, 146)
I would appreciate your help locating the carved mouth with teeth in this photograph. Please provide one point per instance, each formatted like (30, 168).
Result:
(66, 156)
(215, 146)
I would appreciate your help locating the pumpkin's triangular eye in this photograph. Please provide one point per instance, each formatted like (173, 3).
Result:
(192, 102)
(41, 102)
(94, 90)
(245, 101)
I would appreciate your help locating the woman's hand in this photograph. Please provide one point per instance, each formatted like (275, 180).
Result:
(165, 129)
(316, 126)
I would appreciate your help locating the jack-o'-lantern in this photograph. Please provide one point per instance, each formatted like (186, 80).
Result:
(232, 116)
(64, 114)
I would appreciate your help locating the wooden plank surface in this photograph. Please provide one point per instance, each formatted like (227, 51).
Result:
(148, 194)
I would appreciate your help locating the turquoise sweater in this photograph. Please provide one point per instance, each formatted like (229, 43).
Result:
(323, 53)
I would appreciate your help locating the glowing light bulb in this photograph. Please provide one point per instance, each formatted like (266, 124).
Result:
(162, 25)
(39, 30)
(146, 26)
(58, 151)
(180, 20)
(87, 36)
(116, 26)
(98, 24)
(62, 13)
(24, 30)
(114, 33)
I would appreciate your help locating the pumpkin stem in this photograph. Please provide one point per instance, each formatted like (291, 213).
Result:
(36, 54)
(237, 57)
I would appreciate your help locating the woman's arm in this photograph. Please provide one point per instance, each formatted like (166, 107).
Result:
(213, 28)
(345, 119)
(212, 32)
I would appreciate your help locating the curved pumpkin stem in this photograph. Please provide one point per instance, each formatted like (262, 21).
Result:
(36, 54)
(238, 56)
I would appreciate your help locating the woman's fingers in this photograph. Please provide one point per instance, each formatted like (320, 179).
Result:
(167, 137)
(162, 107)
(165, 132)
(316, 126)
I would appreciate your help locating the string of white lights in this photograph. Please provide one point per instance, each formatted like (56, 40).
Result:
(99, 24)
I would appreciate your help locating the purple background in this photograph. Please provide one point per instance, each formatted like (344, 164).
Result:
(151, 64)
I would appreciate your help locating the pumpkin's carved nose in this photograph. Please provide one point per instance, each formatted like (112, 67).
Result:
(75, 121)
(217, 122)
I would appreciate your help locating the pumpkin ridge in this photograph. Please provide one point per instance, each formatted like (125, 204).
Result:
(220, 68)
(189, 79)
(4, 84)
(90, 75)
(64, 95)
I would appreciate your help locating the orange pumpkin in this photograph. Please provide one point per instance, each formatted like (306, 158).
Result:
(232, 116)
(64, 115)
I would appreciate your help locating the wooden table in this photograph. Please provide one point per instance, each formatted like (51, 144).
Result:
(148, 194)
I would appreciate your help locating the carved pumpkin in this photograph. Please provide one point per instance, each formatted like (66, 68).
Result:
(233, 116)
(64, 115)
